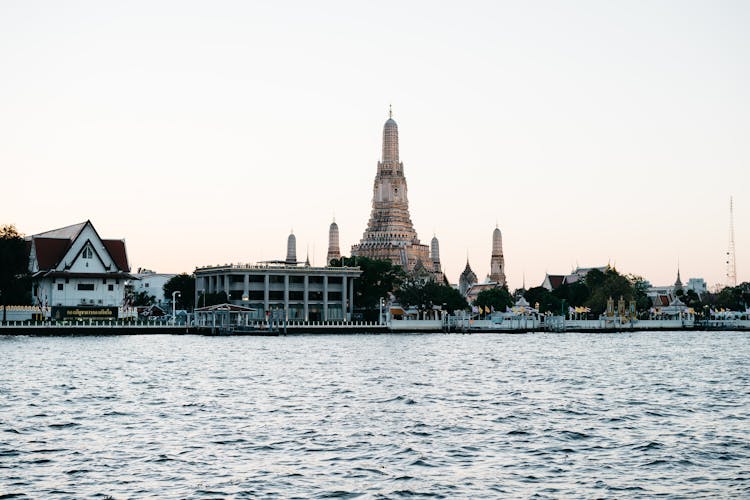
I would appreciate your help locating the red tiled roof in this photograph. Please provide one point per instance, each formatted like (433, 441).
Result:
(49, 251)
(555, 280)
(116, 249)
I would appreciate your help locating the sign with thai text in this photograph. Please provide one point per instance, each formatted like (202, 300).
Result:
(83, 313)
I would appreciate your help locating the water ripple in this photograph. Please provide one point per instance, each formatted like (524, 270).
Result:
(435, 416)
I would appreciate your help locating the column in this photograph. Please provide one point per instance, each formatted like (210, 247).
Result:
(286, 296)
(266, 287)
(325, 297)
(351, 299)
(343, 298)
(226, 286)
(246, 287)
(306, 298)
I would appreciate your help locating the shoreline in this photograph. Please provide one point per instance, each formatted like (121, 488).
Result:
(78, 331)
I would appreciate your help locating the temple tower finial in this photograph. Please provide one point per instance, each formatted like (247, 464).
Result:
(497, 262)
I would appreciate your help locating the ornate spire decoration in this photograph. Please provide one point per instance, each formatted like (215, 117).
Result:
(291, 249)
(390, 234)
(435, 256)
(466, 279)
(497, 261)
(390, 144)
(333, 243)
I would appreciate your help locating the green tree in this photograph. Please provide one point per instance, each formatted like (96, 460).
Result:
(452, 299)
(496, 298)
(143, 298)
(574, 294)
(612, 284)
(547, 302)
(426, 295)
(14, 268)
(379, 278)
(734, 298)
(594, 278)
(185, 284)
(212, 299)
(640, 287)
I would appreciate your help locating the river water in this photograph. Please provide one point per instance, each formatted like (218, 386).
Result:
(376, 416)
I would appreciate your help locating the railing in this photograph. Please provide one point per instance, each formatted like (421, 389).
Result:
(90, 324)
(152, 324)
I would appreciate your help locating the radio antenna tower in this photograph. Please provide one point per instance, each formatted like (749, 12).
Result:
(731, 261)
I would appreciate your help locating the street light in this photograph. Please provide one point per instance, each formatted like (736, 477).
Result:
(174, 303)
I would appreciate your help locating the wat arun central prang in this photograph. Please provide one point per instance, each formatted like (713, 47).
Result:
(390, 234)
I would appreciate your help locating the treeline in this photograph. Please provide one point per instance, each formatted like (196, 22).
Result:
(593, 292)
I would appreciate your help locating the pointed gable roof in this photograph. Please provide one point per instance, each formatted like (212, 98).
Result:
(556, 280)
(50, 251)
(67, 232)
(52, 246)
(116, 249)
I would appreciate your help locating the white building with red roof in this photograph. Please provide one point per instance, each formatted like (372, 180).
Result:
(73, 267)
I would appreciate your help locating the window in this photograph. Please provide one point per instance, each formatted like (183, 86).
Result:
(256, 295)
(110, 287)
(87, 253)
(147, 285)
(104, 281)
(257, 278)
(276, 279)
(296, 295)
(60, 286)
(273, 295)
(296, 280)
(85, 287)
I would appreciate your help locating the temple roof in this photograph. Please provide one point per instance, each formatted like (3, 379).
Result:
(51, 247)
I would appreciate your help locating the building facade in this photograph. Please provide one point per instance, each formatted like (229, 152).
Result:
(390, 234)
(152, 284)
(73, 267)
(298, 293)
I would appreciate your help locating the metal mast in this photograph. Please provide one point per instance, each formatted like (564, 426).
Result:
(731, 261)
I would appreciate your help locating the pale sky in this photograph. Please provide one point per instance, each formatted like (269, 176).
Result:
(202, 132)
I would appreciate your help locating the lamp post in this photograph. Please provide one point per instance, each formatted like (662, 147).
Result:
(174, 303)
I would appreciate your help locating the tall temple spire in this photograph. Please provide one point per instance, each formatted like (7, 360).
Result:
(435, 256)
(497, 262)
(333, 243)
(390, 234)
(291, 249)
(390, 141)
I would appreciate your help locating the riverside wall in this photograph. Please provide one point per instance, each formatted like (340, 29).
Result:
(395, 326)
